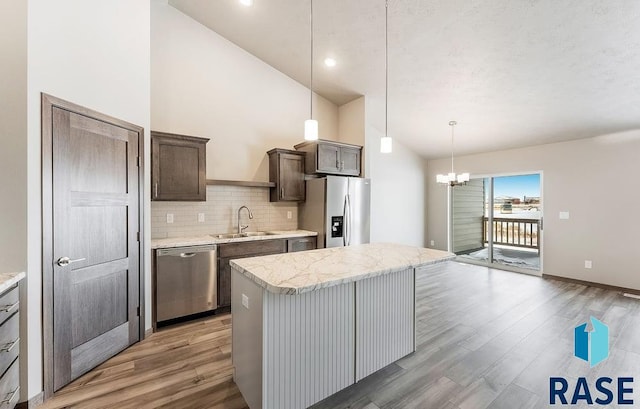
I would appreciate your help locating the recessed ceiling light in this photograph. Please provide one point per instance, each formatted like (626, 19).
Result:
(247, 3)
(330, 62)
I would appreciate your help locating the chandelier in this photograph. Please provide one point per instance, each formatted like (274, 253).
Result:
(452, 179)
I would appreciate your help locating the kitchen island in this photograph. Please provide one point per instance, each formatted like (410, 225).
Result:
(307, 325)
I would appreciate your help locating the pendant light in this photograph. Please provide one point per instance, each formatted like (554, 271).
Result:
(386, 143)
(311, 125)
(452, 179)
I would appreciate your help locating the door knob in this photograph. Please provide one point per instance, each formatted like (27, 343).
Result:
(65, 261)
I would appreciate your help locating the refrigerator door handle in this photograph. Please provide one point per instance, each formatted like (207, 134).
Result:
(349, 213)
(344, 222)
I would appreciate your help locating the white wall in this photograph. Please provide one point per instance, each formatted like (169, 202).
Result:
(96, 54)
(13, 134)
(351, 122)
(13, 149)
(204, 85)
(398, 207)
(593, 179)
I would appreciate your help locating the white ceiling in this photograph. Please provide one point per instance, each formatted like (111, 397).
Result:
(512, 72)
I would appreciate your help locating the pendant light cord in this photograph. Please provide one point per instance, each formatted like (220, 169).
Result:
(452, 124)
(386, 66)
(311, 86)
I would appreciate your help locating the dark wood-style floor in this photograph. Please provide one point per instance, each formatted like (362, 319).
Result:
(485, 339)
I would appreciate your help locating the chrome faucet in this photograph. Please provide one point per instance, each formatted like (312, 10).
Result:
(240, 226)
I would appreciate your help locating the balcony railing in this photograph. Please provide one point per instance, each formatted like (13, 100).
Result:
(513, 232)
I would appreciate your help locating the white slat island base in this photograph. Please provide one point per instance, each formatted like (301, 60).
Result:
(293, 346)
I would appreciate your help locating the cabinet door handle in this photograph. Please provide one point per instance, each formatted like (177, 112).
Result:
(10, 396)
(7, 308)
(156, 191)
(342, 165)
(281, 192)
(8, 347)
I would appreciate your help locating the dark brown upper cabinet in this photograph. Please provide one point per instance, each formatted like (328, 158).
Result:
(333, 158)
(178, 167)
(286, 170)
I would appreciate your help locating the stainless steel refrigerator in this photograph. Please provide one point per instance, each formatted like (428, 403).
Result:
(338, 208)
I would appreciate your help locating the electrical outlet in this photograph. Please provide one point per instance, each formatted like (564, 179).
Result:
(245, 301)
(200, 217)
(169, 217)
(433, 242)
(588, 264)
(289, 214)
(564, 215)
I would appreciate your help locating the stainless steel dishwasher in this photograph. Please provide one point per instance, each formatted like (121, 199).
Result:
(186, 281)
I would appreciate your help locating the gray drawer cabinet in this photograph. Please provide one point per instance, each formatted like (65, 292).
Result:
(178, 167)
(333, 158)
(232, 251)
(9, 348)
(301, 244)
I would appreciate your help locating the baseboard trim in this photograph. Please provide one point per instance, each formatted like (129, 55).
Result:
(32, 403)
(148, 332)
(592, 284)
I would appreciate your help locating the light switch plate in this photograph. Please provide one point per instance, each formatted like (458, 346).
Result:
(245, 301)
(201, 217)
(564, 215)
(588, 264)
(433, 242)
(169, 217)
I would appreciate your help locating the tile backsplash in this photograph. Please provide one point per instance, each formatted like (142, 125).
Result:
(221, 212)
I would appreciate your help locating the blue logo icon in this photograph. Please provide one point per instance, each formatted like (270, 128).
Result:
(593, 346)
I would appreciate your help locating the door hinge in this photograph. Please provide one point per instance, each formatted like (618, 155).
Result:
(138, 236)
(138, 311)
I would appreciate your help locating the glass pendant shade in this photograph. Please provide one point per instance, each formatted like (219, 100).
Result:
(386, 144)
(310, 130)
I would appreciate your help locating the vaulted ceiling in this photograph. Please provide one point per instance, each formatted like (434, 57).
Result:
(512, 72)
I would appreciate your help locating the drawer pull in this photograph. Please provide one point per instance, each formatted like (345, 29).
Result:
(10, 396)
(8, 347)
(7, 308)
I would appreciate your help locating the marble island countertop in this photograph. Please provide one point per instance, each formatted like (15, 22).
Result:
(210, 239)
(9, 279)
(295, 273)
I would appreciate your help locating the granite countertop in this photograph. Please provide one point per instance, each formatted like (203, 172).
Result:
(295, 273)
(9, 279)
(206, 239)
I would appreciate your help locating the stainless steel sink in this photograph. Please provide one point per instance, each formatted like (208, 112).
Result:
(257, 233)
(226, 236)
(237, 236)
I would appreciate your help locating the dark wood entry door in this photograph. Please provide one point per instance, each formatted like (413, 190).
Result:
(95, 242)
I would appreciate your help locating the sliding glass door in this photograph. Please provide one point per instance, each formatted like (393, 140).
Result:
(497, 221)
